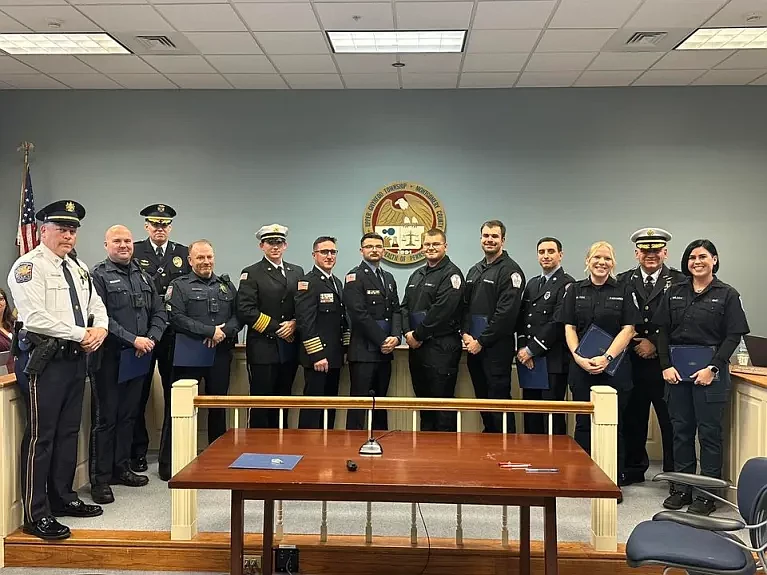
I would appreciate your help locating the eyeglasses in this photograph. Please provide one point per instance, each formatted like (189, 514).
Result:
(433, 245)
(378, 247)
(326, 252)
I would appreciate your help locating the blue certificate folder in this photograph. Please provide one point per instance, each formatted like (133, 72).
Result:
(478, 325)
(192, 352)
(416, 318)
(536, 378)
(266, 461)
(596, 341)
(384, 325)
(131, 366)
(687, 359)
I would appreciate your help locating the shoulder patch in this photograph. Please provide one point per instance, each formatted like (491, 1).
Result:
(351, 277)
(516, 280)
(455, 281)
(23, 272)
(303, 286)
(243, 276)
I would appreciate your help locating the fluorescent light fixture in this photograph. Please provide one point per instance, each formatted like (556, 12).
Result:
(726, 39)
(399, 41)
(48, 44)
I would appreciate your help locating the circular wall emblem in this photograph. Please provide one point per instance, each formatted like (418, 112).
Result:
(401, 212)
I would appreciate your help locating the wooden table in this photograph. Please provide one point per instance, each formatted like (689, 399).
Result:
(425, 467)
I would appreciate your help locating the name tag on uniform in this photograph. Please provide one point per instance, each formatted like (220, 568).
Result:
(676, 297)
(197, 289)
(580, 297)
(374, 292)
(427, 284)
(326, 297)
(114, 281)
(616, 298)
(488, 281)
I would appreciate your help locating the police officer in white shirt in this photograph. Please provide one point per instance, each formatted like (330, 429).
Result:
(63, 319)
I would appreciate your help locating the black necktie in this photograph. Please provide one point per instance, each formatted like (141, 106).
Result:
(158, 251)
(649, 284)
(379, 275)
(541, 283)
(73, 295)
(281, 270)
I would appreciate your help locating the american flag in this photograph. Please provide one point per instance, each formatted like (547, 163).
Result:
(26, 238)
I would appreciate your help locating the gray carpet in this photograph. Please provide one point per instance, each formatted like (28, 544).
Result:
(148, 508)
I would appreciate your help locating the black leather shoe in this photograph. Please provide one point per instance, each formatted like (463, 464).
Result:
(47, 528)
(102, 494)
(164, 471)
(702, 506)
(677, 499)
(130, 479)
(625, 479)
(139, 464)
(78, 509)
(620, 497)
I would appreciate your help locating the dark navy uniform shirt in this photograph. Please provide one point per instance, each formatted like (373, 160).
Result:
(197, 305)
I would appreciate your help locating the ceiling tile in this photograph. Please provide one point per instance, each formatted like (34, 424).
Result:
(31, 2)
(370, 16)
(487, 41)
(554, 62)
(417, 63)
(734, 14)
(202, 17)
(59, 64)
(268, 16)
(547, 79)
(305, 64)
(745, 60)
(518, 15)
(314, 81)
(389, 80)
(667, 77)
(200, 81)
(573, 40)
(179, 64)
(223, 42)
(33, 82)
(426, 81)
(692, 59)
(494, 62)
(593, 13)
(293, 42)
(189, 1)
(10, 65)
(257, 81)
(87, 2)
(114, 64)
(728, 77)
(87, 81)
(674, 14)
(625, 60)
(241, 64)
(365, 64)
(488, 80)
(614, 78)
(127, 18)
(143, 81)
(761, 81)
(433, 15)
(8, 24)
(38, 17)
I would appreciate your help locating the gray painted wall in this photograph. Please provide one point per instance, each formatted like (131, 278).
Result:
(581, 164)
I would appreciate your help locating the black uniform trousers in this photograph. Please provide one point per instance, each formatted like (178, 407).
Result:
(580, 386)
(162, 357)
(699, 408)
(319, 383)
(490, 372)
(54, 405)
(270, 379)
(649, 388)
(434, 372)
(216, 378)
(113, 417)
(367, 376)
(539, 422)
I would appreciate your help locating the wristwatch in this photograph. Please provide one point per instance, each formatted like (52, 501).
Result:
(609, 357)
(714, 369)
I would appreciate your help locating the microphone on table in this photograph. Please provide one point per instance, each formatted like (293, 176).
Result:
(371, 447)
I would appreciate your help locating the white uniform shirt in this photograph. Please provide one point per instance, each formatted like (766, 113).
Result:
(41, 294)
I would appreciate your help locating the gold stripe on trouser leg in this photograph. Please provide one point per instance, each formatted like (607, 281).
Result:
(33, 435)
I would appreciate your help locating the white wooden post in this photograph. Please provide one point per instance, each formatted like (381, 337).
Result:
(413, 525)
(183, 451)
(604, 451)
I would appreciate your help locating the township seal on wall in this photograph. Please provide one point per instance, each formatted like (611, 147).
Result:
(401, 212)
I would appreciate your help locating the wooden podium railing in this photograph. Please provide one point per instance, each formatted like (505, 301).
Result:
(604, 422)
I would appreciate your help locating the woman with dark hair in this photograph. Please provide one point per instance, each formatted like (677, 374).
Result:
(6, 327)
(705, 313)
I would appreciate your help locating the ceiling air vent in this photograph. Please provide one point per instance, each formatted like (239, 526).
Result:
(144, 42)
(646, 38)
(156, 43)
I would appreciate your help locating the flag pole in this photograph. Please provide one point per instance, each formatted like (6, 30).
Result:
(25, 147)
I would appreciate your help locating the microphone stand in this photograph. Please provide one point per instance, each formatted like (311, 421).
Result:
(371, 447)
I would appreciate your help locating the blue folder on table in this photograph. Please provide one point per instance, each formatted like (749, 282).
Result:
(266, 461)
(416, 318)
(131, 366)
(687, 359)
(536, 378)
(478, 325)
(597, 341)
(192, 352)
